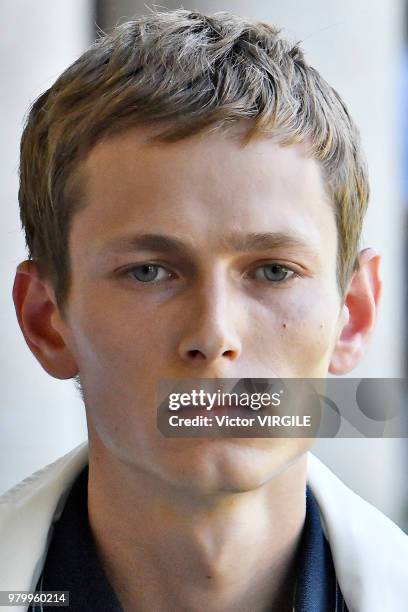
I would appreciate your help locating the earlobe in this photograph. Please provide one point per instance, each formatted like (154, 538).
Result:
(39, 319)
(361, 303)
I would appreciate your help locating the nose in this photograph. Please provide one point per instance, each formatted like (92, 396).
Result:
(212, 332)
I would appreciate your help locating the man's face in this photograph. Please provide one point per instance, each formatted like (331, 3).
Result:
(205, 309)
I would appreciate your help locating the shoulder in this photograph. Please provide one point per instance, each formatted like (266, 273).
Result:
(27, 512)
(369, 551)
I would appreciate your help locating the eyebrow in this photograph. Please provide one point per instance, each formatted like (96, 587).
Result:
(236, 243)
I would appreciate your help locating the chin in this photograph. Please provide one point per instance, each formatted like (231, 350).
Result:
(232, 464)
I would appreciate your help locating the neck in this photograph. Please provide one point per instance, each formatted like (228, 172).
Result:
(164, 548)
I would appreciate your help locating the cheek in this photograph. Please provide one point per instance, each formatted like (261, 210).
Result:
(119, 352)
(117, 378)
(115, 338)
(301, 332)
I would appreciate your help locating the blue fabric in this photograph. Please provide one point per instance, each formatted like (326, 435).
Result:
(317, 589)
(72, 563)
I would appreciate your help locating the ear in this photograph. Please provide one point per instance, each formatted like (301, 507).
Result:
(41, 323)
(358, 315)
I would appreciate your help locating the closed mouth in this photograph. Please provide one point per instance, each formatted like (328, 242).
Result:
(216, 407)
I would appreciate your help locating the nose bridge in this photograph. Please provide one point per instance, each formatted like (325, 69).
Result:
(212, 294)
(212, 331)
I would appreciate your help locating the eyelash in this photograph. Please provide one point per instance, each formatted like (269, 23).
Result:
(293, 273)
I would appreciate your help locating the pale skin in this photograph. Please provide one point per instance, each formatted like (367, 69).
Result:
(189, 524)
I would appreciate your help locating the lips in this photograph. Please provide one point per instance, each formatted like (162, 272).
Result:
(206, 409)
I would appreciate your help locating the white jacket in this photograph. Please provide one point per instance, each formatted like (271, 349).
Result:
(370, 552)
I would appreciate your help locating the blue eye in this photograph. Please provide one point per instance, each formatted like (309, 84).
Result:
(276, 273)
(147, 273)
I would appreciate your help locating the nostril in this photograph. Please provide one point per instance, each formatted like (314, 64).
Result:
(195, 353)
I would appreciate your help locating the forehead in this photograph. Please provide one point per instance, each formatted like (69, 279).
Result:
(203, 186)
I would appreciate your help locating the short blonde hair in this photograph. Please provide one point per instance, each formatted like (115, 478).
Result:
(189, 73)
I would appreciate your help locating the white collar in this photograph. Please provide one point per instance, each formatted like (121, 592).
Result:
(370, 553)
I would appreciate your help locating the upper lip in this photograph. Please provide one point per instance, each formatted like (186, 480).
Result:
(216, 405)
